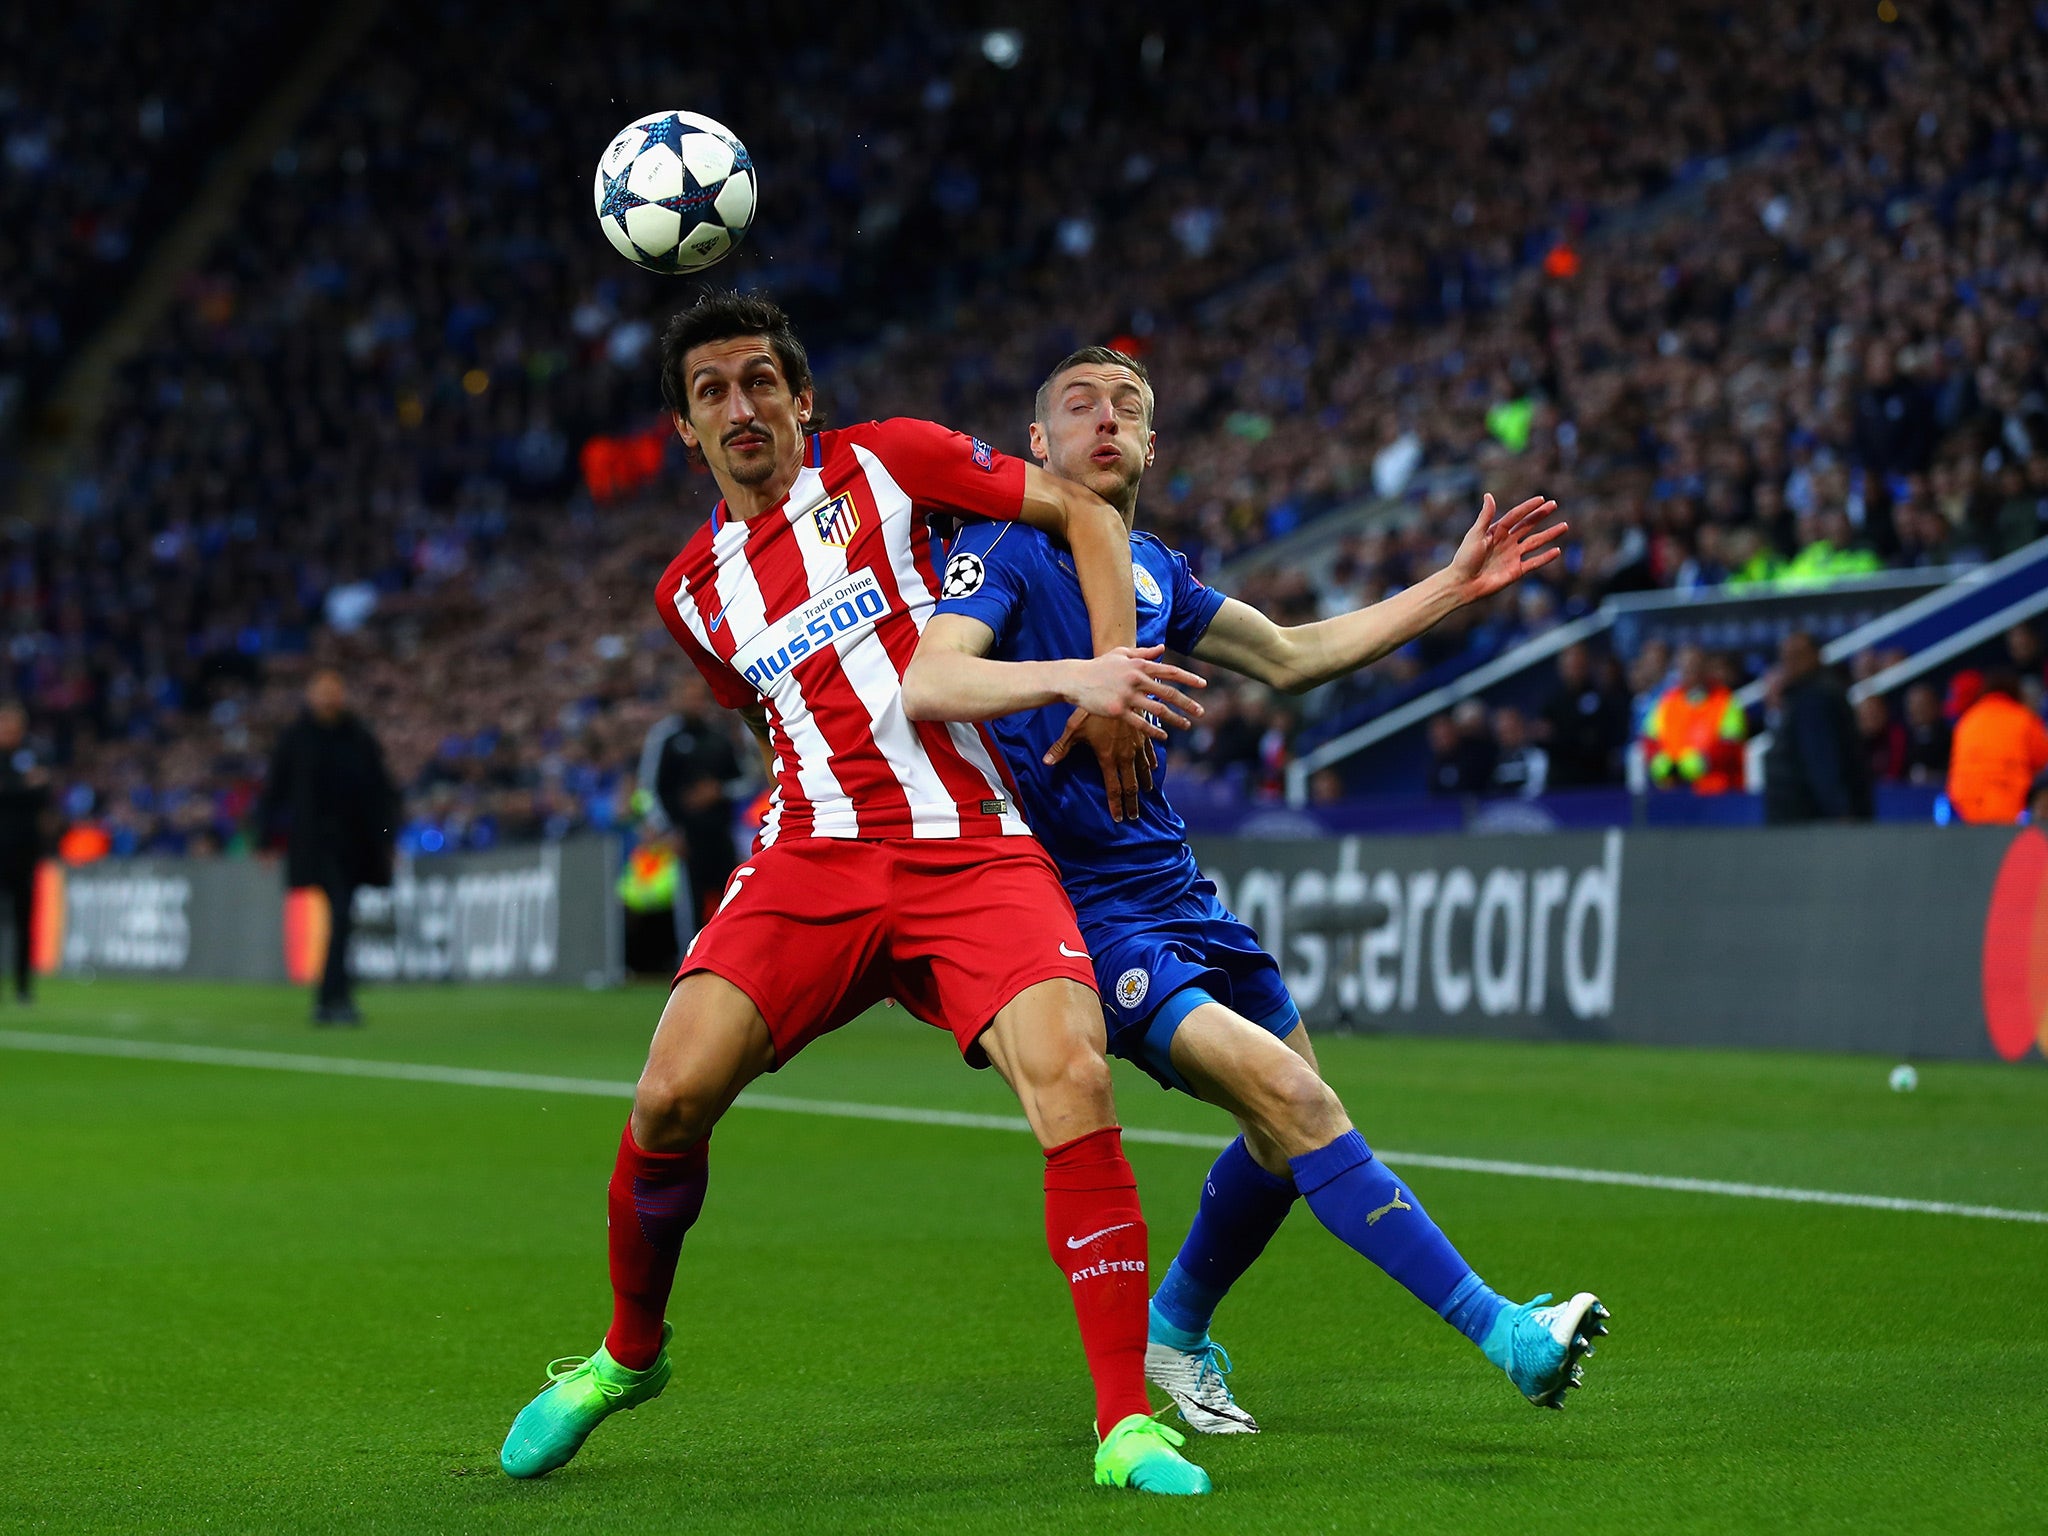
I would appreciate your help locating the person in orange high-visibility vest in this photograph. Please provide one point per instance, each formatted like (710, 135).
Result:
(1998, 747)
(1693, 737)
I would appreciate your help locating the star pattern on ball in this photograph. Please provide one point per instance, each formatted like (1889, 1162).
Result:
(663, 130)
(619, 199)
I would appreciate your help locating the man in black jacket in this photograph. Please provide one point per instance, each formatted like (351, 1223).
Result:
(331, 796)
(689, 767)
(1585, 725)
(1815, 769)
(24, 807)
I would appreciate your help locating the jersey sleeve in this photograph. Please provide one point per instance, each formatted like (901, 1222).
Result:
(940, 468)
(727, 686)
(988, 572)
(1193, 606)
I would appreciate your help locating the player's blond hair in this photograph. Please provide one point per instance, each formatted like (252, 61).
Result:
(1093, 357)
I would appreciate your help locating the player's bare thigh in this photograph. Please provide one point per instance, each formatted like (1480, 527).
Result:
(711, 1042)
(1272, 1086)
(1048, 1043)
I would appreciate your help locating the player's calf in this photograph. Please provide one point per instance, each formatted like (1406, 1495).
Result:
(710, 1043)
(1049, 1045)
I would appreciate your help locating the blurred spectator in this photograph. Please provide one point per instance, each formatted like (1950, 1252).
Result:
(24, 814)
(1693, 737)
(1462, 750)
(2023, 653)
(1816, 768)
(1650, 674)
(2037, 801)
(1520, 767)
(689, 770)
(647, 887)
(1234, 747)
(1965, 688)
(1998, 748)
(330, 795)
(1884, 740)
(1585, 724)
(1927, 734)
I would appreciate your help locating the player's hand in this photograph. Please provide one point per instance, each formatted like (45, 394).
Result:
(1123, 751)
(1497, 553)
(1131, 683)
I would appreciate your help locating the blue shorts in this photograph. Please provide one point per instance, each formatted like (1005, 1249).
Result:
(1155, 968)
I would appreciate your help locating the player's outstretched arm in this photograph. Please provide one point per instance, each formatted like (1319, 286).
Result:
(1100, 541)
(1495, 553)
(952, 678)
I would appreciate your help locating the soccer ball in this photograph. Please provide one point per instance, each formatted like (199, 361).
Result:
(675, 191)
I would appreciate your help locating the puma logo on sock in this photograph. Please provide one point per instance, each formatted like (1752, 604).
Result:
(1395, 1204)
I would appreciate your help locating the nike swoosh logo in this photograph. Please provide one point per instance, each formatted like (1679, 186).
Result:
(1083, 1242)
(1072, 954)
(717, 619)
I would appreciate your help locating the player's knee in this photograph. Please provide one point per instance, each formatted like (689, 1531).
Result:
(670, 1113)
(1301, 1111)
(1077, 1082)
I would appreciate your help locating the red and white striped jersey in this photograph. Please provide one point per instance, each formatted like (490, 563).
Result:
(813, 610)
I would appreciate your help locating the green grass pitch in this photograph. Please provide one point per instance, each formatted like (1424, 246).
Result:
(235, 1299)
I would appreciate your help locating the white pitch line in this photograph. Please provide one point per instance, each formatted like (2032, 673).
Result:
(838, 1109)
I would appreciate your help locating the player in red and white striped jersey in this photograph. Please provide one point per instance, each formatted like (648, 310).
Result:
(842, 575)
(893, 863)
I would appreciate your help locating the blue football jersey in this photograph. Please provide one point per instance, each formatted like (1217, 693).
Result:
(1023, 586)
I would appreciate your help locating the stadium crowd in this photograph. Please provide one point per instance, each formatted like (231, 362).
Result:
(1753, 290)
(108, 110)
(1599, 713)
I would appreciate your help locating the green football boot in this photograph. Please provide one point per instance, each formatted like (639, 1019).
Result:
(1142, 1453)
(582, 1392)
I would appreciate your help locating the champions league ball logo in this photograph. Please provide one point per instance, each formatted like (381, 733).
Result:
(964, 573)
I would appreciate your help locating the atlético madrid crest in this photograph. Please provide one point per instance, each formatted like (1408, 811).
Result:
(837, 520)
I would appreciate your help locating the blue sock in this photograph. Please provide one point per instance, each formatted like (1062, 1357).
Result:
(1473, 1308)
(1242, 1207)
(1366, 1207)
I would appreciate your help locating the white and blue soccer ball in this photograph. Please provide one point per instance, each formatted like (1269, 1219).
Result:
(675, 191)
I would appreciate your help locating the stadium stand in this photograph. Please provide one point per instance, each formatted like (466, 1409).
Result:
(403, 418)
(108, 111)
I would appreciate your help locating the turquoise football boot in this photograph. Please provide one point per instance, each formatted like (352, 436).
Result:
(582, 1392)
(1540, 1346)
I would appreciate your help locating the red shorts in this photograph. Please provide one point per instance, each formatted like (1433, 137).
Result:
(819, 930)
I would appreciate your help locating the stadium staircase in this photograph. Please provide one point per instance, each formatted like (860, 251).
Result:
(79, 399)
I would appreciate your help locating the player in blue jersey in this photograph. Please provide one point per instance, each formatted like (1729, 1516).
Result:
(1189, 994)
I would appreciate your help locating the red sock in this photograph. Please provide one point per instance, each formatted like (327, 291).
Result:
(1097, 1236)
(655, 1198)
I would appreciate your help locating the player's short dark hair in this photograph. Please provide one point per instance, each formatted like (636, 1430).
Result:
(1092, 357)
(719, 314)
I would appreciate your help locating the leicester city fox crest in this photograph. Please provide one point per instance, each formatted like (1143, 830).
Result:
(1132, 986)
(837, 520)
